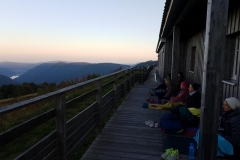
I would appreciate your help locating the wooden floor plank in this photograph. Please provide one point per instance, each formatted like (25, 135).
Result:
(126, 136)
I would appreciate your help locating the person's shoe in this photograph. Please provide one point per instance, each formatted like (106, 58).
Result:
(153, 124)
(152, 93)
(148, 123)
(166, 153)
(150, 100)
(173, 155)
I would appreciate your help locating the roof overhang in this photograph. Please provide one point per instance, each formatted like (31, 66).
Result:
(189, 15)
(160, 44)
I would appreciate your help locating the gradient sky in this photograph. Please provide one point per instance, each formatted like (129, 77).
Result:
(117, 31)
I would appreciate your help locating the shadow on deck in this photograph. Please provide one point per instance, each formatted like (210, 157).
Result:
(126, 136)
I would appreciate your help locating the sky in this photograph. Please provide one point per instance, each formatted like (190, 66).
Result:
(94, 31)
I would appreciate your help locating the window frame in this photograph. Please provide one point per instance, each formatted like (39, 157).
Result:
(192, 59)
(235, 66)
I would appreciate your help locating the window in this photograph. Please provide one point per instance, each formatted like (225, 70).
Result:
(192, 62)
(236, 57)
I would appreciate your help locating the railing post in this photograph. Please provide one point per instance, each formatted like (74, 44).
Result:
(99, 104)
(145, 74)
(130, 75)
(123, 84)
(61, 127)
(128, 80)
(134, 75)
(141, 74)
(131, 80)
(115, 93)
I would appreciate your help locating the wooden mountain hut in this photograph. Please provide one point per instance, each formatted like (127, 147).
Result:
(201, 38)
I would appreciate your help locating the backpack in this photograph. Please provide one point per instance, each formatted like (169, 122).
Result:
(171, 123)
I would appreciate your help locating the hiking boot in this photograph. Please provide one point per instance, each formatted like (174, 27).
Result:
(173, 155)
(167, 153)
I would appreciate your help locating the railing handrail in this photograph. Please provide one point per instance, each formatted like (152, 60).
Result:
(12, 107)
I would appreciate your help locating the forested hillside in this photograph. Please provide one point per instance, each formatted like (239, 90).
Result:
(6, 80)
(58, 72)
(7, 72)
(146, 64)
(17, 67)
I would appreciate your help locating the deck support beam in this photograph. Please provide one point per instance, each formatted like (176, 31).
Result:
(211, 103)
(175, 54)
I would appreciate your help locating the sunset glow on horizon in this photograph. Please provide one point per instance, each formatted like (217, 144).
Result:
(120, 31)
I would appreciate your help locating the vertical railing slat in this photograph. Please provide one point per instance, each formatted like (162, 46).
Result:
(61, 127)
(99, 104)
(115, 92)
(123, 88)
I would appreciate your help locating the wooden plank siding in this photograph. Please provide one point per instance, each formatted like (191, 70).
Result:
(168, 57)
(214, 58)
(232, 86)
(198, 41)
(175, 54)
(234, 21)
(183, 55)
(126, 136)
(161, 56)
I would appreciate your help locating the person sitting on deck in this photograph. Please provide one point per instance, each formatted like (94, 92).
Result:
(230, 123)
(180, 79)
(229, 130)
(180, 99)
(190, 113)
(162, 88)
(170, 90)
(165, 96)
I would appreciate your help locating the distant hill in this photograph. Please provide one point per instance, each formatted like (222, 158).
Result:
(6, 80)
(17, 67)
(58, 72)
(146, 64)
(7, 72)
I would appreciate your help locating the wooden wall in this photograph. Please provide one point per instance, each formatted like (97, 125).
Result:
(198, 41)
(161, 63)
(183, 55)
(168, 57)
(234, 20)
(165, 60)
(231, 88)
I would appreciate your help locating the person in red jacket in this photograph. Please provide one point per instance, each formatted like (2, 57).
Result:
(182, 95)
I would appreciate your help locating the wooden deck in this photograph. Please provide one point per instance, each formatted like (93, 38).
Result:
(126, 136)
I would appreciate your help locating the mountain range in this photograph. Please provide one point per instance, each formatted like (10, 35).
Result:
(16, 67)
(58, 72)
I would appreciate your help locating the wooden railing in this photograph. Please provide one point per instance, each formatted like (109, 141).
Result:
(69, 135)
(230, 89)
